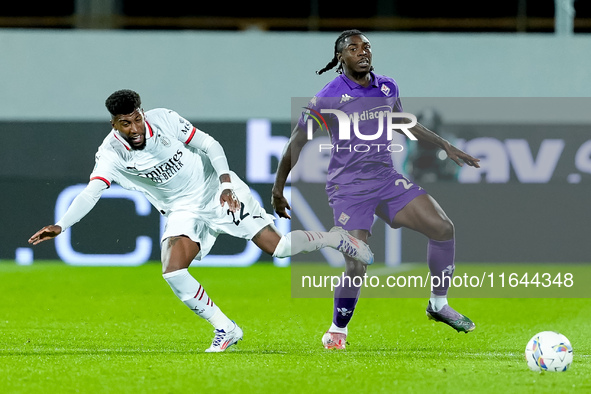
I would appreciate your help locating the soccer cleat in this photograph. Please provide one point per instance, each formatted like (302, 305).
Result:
(452, 318)
(334, 340)
(224, 340)
(353, 247)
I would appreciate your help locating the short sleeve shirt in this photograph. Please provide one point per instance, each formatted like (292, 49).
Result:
(172, 175)
(364, 155)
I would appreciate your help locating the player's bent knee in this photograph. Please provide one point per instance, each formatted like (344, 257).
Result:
(283, 247)
(268, 240)
(444, 231)
(177, 253)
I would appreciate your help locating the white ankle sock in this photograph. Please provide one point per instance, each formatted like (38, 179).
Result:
(188, 290)
(220, 321)
(299, 241)
(340, 330)
(438, 302)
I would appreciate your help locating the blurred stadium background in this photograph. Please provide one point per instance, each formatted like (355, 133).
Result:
(506, 80)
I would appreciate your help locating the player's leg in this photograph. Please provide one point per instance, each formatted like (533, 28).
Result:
(256, 224)
(357, 216)
(346, 295)
(270, 240)
(256, 221)
(425, 215)
(177, 254)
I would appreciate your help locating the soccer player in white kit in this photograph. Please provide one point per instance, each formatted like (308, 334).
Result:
(184, 173)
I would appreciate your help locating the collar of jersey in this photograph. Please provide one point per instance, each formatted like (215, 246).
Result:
(355, 85)
(118, 137)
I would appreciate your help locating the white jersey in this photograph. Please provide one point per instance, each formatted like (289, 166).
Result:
(178, 171)
(172, 171)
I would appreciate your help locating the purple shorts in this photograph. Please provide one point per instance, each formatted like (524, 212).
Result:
(354, 205)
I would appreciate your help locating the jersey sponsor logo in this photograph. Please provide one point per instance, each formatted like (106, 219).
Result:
(370, 114)
(187, 126)
(345, 97)
(165, 171)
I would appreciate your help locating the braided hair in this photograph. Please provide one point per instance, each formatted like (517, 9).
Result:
(338, 48)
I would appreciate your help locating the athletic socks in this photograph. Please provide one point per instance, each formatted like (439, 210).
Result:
(220, 321)
(193, 295)
(337, 329)
(440, 258)
(345, 299)
(300, 241)
(437, 302)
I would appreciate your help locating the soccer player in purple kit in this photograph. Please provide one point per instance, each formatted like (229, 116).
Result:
(362, 181)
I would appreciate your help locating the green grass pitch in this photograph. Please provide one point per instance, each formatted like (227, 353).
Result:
(121, 330)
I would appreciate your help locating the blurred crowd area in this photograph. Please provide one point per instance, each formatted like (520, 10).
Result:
(498, 16)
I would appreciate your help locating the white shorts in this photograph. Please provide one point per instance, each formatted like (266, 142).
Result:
(203, 226)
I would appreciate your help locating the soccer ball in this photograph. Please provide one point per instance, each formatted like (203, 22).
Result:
(549, 351)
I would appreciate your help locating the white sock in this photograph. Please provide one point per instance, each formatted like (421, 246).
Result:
(220, 321)
(340, 330)
(299, 241)
(437, 302)
(189, 291)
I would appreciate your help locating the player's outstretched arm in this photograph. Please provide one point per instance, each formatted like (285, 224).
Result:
(289, 158)
(457, 155)
(47, 232)
(81, 205)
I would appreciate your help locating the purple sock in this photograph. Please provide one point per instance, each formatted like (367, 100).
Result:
(440, 257)
(345, 299)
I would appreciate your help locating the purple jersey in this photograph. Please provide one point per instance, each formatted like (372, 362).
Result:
(363, 156)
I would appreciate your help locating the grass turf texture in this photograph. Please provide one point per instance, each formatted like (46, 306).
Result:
(98, 329)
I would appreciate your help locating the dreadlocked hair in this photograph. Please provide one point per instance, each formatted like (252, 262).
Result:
(338, 48)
